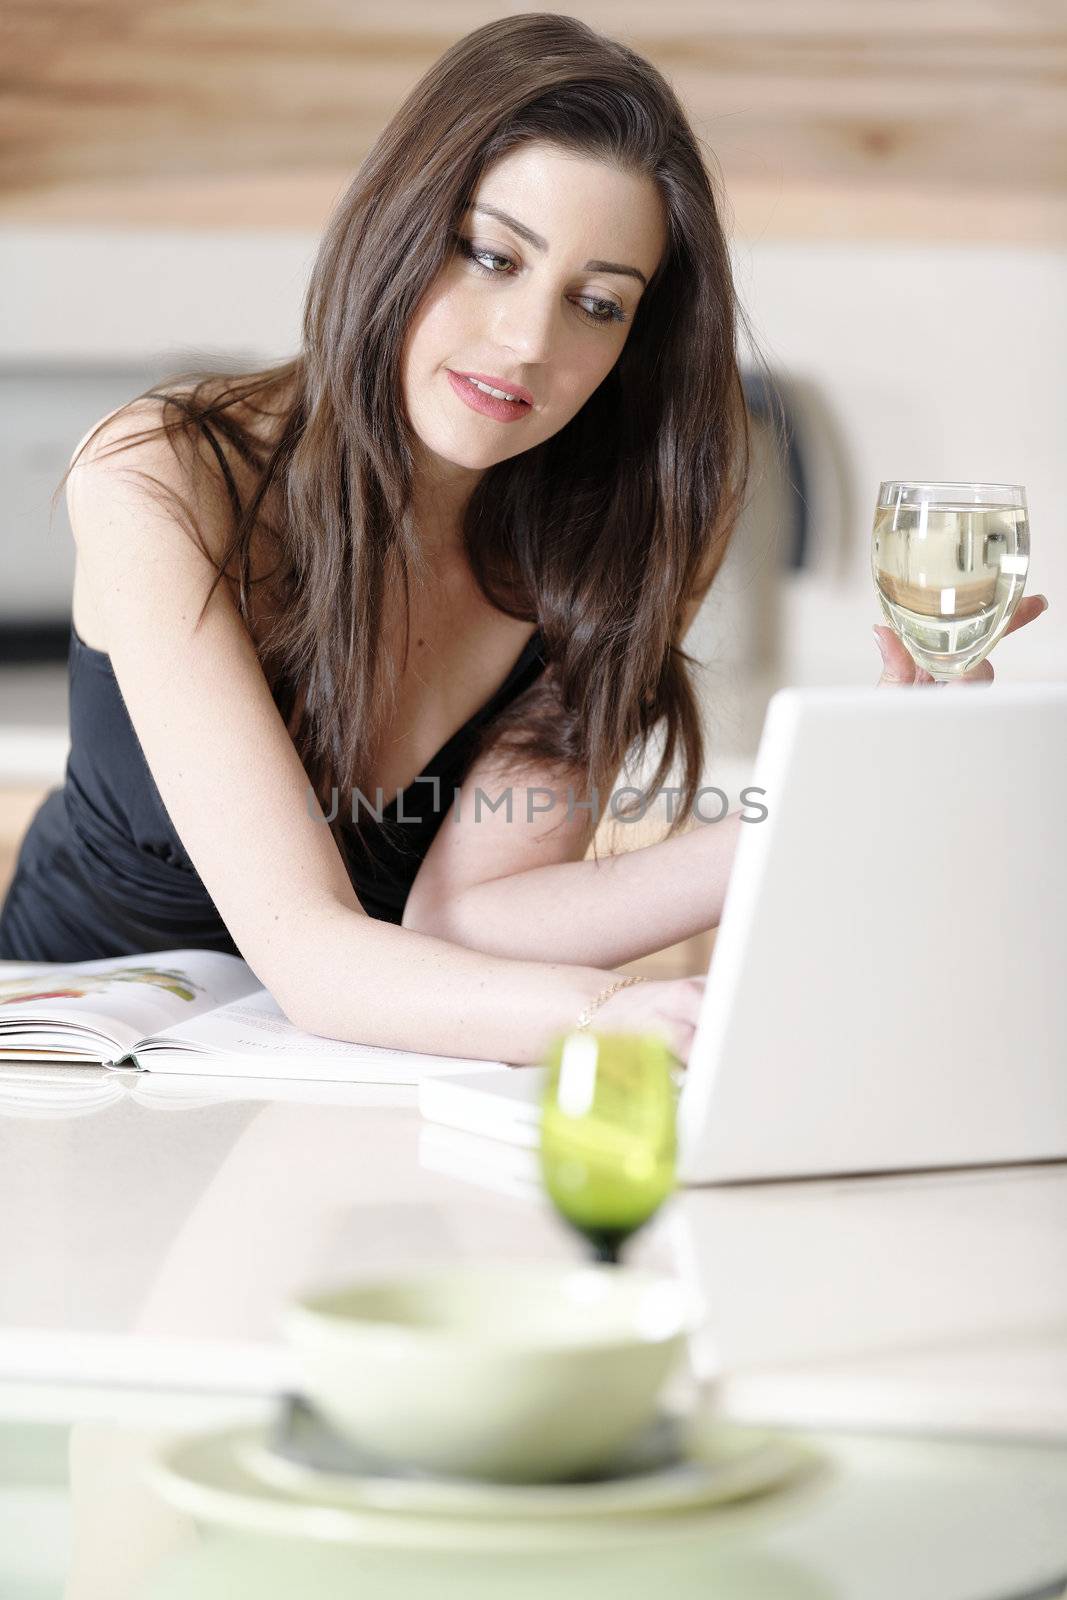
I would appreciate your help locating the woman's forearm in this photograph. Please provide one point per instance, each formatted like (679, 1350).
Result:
(356, 978)
(604, 912)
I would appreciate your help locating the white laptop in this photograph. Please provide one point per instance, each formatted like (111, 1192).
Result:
(888, 986)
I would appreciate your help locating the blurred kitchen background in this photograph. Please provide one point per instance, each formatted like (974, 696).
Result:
(895, 187)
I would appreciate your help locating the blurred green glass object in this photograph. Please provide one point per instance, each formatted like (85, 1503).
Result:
(608, 1133)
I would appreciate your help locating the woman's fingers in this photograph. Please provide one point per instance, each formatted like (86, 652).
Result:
(982, 673)
(898, 666)
(670, 1006)
(1026, 611)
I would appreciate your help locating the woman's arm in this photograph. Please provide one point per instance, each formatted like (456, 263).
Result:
(352, 977)
(235, 788)
(519, 885)
(481, 891)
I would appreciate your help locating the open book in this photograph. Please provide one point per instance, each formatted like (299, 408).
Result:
(189, 1011)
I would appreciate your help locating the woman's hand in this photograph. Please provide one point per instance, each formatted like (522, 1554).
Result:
(899, 668)
(669, 1006)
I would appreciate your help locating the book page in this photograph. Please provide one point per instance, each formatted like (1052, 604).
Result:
(117, 999)
(253, 1037)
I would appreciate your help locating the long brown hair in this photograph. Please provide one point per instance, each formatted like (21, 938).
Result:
(599, 534)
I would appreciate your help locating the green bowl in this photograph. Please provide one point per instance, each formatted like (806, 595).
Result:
(521, 1374)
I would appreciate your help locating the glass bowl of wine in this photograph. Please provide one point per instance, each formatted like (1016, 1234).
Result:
(950, 563)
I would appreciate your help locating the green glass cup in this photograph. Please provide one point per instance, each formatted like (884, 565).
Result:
(608, 1142)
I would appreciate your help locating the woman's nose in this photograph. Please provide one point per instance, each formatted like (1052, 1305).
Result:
(528, 324)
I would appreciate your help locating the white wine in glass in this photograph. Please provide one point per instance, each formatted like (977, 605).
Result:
(950, 563)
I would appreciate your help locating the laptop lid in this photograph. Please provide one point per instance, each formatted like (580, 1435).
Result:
(888, 989)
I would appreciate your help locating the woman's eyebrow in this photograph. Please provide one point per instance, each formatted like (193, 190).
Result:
(542, 244)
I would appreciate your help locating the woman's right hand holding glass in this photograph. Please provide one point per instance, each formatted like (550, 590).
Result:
(900, 668)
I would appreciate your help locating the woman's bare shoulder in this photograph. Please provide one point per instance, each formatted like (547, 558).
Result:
(129, 455)
(153, 425)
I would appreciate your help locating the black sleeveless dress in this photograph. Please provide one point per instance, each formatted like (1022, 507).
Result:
(101, 870)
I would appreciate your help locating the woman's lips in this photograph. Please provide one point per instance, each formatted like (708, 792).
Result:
(478, 400)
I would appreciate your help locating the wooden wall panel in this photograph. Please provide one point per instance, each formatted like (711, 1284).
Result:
(893, 117)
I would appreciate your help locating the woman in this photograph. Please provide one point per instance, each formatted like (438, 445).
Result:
(471, 523)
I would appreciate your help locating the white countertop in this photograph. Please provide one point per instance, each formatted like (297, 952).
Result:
(151, 1238)
(913, 1327)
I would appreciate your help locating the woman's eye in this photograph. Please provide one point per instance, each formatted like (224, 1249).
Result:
(478, 256)
(605, 312)
(609, 311)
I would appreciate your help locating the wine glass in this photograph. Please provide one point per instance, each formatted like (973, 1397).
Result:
(608, 1145)
(949, 563)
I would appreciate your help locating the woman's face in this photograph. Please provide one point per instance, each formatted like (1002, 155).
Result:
(545, 304)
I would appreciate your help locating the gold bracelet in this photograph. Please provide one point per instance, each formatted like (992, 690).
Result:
(586, 1013)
